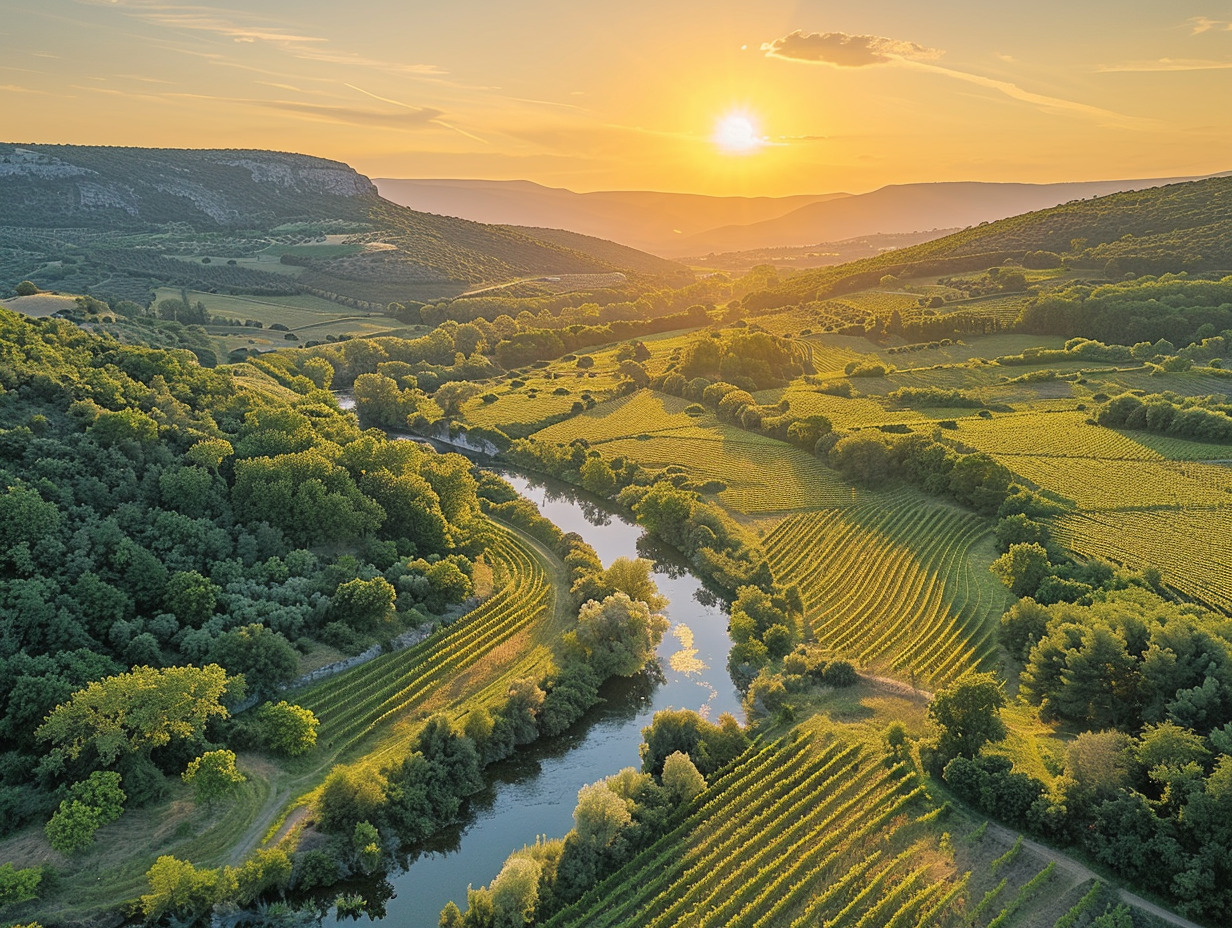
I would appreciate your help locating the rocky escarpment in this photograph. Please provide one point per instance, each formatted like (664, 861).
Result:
(88, 186)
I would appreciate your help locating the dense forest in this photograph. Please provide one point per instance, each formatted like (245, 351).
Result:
(159, 513)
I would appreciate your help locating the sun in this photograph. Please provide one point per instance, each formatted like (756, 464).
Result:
(737, 134)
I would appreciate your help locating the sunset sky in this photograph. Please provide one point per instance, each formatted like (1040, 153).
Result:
(715, 97)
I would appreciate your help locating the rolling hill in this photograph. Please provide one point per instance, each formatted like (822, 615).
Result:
(900, 208)
(1177, 227)
(118, 222)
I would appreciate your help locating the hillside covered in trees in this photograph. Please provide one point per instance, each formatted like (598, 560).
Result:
(1179, 227)
(118, 222)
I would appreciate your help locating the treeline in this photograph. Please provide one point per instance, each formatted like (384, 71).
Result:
(751, 360)
(589, 307)
(1146, 788)
(1168, 414)
(614, 820)
(1173, 307)
(159, 513)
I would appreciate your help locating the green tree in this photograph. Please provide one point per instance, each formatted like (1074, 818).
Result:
(92, 803)
(179, 889)
(26, 288)
(968, 714)
(451, 917)
(135, 711)
(600, 815)
(1022, 568)
(213, 776)
(191, 598)
(262, 655)
(631, 576)
(19, 885)
(287, 729)
(453, 395)
(619, 635)
(366, 846)
(515, 892)
(209, 453)
(319, 371)
(681, 778)
(365, 605)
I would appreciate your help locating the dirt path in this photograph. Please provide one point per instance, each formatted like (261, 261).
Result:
(1081, 873)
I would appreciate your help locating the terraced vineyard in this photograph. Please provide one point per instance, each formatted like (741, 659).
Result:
(1192, 548)
(793, 835)
(518, 407)
(902, 585)
(354, 705)
(1181, 449)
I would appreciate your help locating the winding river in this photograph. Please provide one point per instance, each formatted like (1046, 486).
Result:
(533, 793)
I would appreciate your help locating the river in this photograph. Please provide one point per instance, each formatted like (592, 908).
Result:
(533, 793)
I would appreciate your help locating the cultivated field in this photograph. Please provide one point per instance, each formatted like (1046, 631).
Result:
(901, 585)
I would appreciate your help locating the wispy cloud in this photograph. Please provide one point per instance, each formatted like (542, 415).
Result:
(353, 116)
(243, 28)
(853, 51)
(845, 50)
(408, 106)
(1200, 24)
(1167, 64)
(1048, 104)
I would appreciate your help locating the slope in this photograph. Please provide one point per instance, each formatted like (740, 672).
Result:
(117, 222)
(1185, 226)
(902, 208)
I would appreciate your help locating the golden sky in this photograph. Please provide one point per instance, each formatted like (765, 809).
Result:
(722, 97)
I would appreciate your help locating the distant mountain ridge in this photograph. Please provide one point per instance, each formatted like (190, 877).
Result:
(646, 220)
(694, 226)
(906, 208)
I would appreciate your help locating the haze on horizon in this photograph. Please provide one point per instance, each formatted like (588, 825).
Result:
(719, 98)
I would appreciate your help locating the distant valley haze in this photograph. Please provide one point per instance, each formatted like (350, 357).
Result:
(680, 225)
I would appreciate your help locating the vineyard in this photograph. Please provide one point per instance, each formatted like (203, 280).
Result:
(902, 586)
(1192, 548)
(354, 705)
(643, 412)
(814, 831)
(1096, 483)
(848, 413)
(760, 474)
(1063, 435)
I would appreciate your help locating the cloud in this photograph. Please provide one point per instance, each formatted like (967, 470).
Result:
(853, 51)
(1166, 64)
(846, 51)
(1041, 101)
(1201, 24)
(247, 30)
(355, 116)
